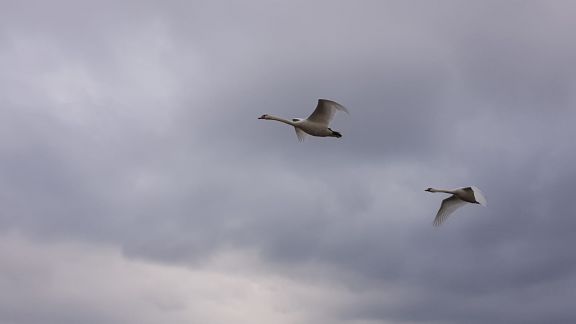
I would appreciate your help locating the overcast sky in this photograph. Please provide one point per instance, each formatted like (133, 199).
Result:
(137, 185)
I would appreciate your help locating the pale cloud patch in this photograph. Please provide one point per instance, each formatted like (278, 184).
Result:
(70, 282)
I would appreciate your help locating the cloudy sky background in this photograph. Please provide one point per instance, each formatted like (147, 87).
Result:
(137, 185)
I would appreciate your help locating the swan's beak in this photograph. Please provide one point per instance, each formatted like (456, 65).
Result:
(261, 117)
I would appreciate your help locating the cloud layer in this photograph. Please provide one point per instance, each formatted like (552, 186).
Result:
(133, 162)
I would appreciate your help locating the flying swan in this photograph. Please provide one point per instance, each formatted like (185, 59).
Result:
(459, 197)
(317, 123)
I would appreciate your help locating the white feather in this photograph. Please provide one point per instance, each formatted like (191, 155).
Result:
(325, 110)
(300, 134)
(479, 196)
(448, 206)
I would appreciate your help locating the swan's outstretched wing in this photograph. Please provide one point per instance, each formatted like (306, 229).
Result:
(325, 111)
(300, 133)
(479, 196)
(449, 205)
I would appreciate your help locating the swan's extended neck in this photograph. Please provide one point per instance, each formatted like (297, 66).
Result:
(282, 120)
(441, 190)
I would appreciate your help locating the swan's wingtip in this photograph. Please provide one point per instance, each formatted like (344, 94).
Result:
(479, 196)
(336, 105)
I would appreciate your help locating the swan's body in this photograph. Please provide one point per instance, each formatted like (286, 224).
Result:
(317, 123)
(459, 197)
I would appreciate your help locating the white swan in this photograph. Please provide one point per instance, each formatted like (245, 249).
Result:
(317, 123)
(459, 197)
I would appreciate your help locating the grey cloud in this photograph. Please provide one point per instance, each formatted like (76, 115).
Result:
(137, 128)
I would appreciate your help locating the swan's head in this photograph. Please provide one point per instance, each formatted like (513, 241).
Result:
(429, 190)
(264, 117)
